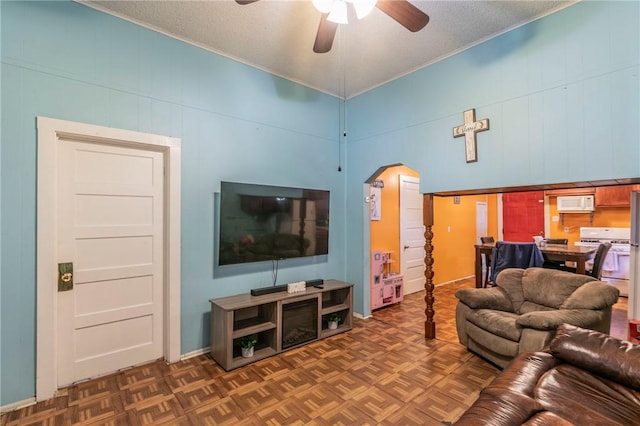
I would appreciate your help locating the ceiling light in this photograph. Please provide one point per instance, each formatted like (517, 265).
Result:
(338, 12)
(363, 7)
(337, 9)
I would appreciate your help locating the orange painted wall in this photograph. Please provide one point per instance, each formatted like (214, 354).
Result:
(385, 233)
(454, 235)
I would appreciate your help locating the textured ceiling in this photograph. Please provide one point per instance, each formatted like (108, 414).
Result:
(278, 35)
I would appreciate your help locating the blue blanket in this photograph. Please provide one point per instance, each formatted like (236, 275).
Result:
(514, 255)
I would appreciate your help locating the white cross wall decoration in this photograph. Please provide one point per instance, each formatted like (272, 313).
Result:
(469, 130)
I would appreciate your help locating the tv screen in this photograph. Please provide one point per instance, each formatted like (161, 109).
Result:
(260, 223)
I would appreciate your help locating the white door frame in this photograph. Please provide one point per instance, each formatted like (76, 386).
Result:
(49, 132)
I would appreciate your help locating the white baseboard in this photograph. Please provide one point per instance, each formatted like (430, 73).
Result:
(455, 281)
(17, 405)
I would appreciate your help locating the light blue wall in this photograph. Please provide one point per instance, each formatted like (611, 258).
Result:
(561, 94)
(67, 61)
(562, 91)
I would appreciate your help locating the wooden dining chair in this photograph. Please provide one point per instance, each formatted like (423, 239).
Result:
(554, 264)
(598, 262)
(487, 259)
(562, 241)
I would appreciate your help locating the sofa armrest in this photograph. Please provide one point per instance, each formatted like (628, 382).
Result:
(600, 353)
(592, 295)
(485, 298)
(510, 399)
(550, 320)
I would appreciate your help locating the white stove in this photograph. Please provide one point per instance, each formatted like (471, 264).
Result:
(615, 270)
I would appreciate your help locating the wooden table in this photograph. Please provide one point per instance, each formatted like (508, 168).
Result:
(562, 253)
(556, 252)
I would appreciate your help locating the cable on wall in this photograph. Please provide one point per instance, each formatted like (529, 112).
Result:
(342, 112)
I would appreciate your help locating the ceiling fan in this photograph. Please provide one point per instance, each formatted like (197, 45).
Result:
(334, 12)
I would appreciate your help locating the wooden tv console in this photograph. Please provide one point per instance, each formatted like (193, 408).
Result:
(243, 315)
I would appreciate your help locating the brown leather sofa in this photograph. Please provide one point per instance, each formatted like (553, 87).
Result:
(584, 378)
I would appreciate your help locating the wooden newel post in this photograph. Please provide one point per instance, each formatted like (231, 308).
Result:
(427, 217)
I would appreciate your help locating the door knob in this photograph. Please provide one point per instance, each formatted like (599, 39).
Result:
(65, 276)
(406, 247)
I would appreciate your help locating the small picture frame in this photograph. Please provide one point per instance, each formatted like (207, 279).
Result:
(375, 204)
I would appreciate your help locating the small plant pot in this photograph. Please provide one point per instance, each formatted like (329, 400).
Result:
(333, 325)
(247, 352)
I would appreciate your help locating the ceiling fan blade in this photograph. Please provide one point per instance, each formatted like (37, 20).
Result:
(405, 13)
(325, 35)
(243, 2)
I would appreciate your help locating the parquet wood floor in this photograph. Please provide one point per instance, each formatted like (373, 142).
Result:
(382, 372)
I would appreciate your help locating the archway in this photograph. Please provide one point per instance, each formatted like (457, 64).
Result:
(396, 234)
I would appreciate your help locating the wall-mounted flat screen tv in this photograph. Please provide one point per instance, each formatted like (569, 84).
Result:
(261, 223)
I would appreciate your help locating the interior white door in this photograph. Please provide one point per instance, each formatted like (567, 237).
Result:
(412, 238)
(481, 220)
(110, 225)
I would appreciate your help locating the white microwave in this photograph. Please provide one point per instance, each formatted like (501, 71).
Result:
(576, 204)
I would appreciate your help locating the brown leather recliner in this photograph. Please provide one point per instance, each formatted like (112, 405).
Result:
(584, 378)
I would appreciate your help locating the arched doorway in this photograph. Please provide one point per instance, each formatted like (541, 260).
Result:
(396, 234)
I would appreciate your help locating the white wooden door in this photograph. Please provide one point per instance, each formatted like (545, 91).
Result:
(412, 238)
(481, 220)
(110, 225)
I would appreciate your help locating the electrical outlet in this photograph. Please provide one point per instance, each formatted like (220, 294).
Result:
(555, 218)
(566, 230)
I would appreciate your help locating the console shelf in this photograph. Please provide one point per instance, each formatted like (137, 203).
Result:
(243, 315)
(253, 329)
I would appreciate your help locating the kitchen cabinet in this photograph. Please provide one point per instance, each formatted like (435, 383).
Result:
(614, 196)
(570, 191)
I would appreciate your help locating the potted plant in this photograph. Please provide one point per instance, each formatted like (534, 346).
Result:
(247, 343)
(333, 320)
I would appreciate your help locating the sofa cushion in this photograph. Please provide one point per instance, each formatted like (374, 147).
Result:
(510, 280)
(527, 307)
(592, 295)
(564, 389)
(550, 320)
(550, 287)
(500, 323)
(496, 344)
(600, 353)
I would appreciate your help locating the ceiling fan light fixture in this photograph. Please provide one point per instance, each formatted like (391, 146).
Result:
(363, 7)
(338, 13)
(323, 6)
